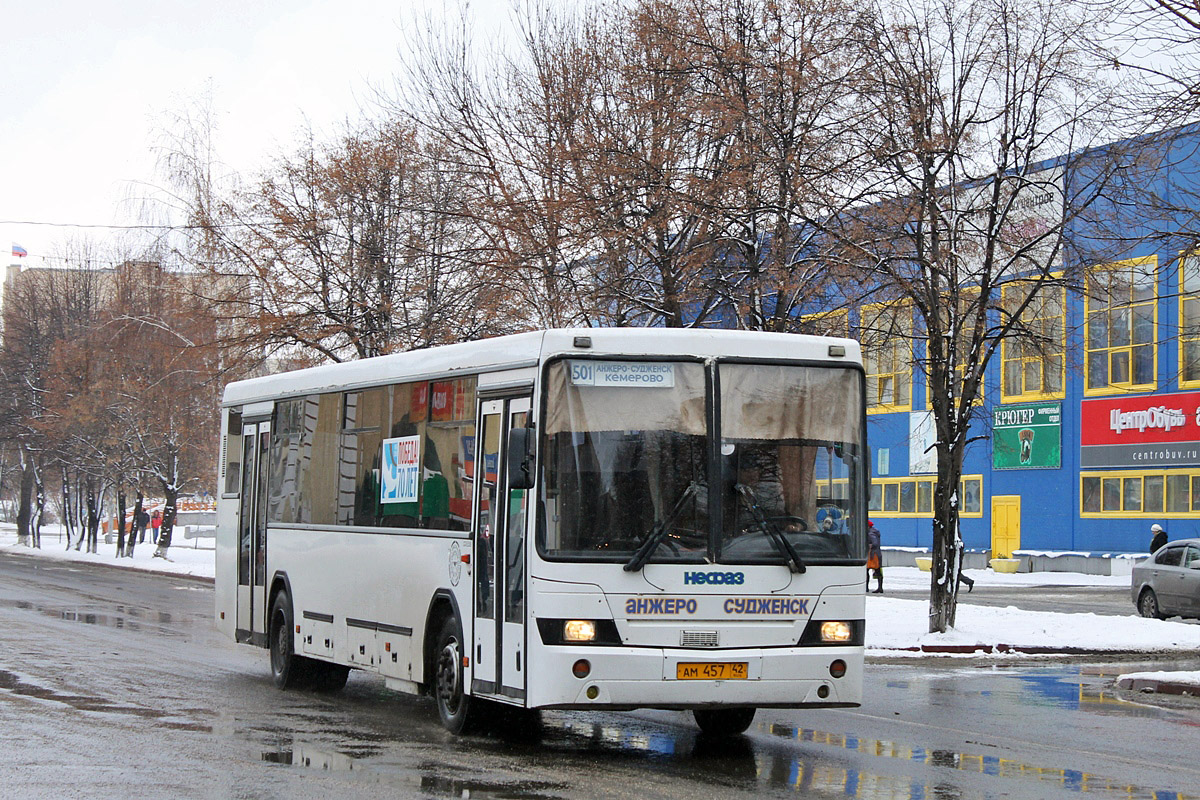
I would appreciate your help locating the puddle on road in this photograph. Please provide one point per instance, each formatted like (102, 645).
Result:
(1070, 780)
(806, 768)
(308, 756)
(133, 619)
(801, 761)
(482, 790)
(15, 684)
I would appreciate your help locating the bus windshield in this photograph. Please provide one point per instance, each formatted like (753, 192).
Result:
(632, 471)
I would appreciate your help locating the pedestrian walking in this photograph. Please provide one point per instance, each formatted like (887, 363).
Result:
(1159, 537)
(141, 521)
(874, 557)
(155, 524)
(962, 578)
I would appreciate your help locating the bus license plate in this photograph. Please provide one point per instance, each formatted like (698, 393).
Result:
(711, 671)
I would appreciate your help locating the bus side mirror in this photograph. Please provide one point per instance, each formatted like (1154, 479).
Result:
(520, 458)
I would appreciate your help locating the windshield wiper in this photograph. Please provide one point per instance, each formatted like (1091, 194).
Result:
(777, 538)
(660, 531)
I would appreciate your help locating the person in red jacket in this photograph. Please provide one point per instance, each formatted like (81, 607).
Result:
(155, 524)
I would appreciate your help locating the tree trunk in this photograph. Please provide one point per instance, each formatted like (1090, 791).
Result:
(136, 532)
(80, 513)
(947, 543)
(39, 506)
(168, 520)
(68, 513)
(93, 517)
(24, 505)
(120, 520)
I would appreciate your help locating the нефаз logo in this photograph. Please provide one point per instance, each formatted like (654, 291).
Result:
(726, 578)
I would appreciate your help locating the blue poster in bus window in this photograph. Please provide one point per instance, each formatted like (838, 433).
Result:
(400, 477)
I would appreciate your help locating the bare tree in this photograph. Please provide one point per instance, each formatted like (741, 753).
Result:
(977, 173)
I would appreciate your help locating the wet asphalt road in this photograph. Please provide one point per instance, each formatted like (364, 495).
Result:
(113, 684)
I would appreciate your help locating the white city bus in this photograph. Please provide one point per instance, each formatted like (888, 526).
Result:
(564, 519)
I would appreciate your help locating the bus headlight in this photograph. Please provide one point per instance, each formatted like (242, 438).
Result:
(579, 630)
(835, 631)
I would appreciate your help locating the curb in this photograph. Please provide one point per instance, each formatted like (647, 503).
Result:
(1152, 686)
(988, 649)
(116, 566)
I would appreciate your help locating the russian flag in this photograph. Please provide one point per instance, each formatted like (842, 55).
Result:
(19, 251)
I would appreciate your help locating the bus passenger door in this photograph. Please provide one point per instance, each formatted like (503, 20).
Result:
(516, 506)
(499, 629)
(487, 476)
(252, 534)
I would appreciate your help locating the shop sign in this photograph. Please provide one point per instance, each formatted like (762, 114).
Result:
(1027, 436)
(1160, 430)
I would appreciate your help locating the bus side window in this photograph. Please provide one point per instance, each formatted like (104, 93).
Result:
(233, 454)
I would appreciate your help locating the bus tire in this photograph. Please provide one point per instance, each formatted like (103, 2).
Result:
(723, 721)
(287, 669)
(460, 713)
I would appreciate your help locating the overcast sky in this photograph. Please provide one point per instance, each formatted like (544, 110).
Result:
(86, 83)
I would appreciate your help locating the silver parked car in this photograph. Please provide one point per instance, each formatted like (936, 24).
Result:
(1168, 583)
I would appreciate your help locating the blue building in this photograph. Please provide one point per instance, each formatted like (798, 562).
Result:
(1082, 444)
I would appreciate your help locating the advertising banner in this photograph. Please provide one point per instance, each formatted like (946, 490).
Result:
(922, 433)
(400, 477)
(1158, 430)
(1028, 436)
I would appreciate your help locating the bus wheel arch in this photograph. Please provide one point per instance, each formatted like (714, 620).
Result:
(279, 583)
(441, 608)
(288, 668)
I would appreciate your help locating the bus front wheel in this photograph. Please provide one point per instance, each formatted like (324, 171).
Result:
(287, 668)
(723, 721)
(459, 712)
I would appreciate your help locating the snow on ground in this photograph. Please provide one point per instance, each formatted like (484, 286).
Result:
(1182, 678)
(894, 624)
(913, 578)
(183, 556)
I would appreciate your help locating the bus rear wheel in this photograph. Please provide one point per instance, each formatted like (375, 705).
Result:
(459, 712)
(287, 669)
(723, 721)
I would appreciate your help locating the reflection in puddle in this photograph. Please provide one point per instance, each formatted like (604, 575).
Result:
(128, 618)
(774, 759)
(481, 790)
(303, 755)
(851, 781)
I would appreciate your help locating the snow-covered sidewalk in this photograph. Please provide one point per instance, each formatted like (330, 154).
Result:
(183, 556)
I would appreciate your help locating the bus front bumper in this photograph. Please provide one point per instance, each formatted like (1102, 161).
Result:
(636, 677)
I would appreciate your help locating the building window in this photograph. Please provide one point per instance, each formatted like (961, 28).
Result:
(913, 497)
(1121, 318)
(826, 323)
(1032, 355)
(1153, 493)
(1189, 321)
(968, 300)
(886, 335)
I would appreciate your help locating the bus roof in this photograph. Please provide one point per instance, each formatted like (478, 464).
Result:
(529, 349)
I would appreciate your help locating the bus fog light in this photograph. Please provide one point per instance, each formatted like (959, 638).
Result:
(838, 668)
(581, 668)
(835, 631)
(822, 691)
(593, 692)
(579, 630)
